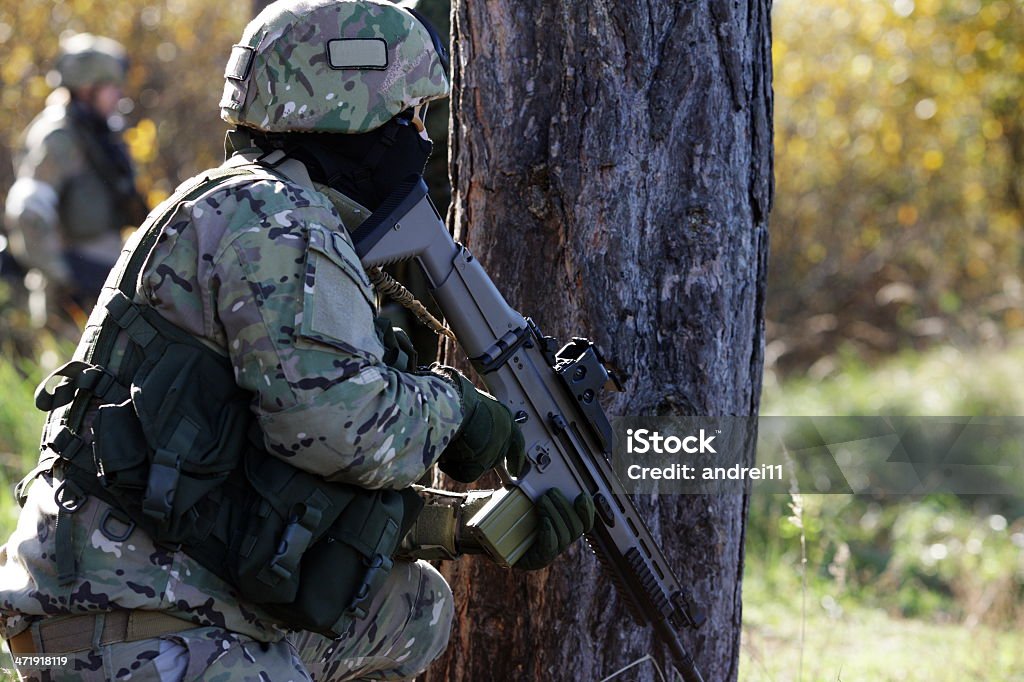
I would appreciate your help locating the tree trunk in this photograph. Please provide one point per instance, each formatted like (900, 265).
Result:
(612, 169)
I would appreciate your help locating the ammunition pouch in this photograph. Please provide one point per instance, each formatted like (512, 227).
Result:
(175, 449)
(308, 546)
(162, 453)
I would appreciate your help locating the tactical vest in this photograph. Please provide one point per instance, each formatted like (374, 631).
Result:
(149, 420)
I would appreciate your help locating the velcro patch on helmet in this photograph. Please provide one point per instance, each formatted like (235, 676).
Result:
(239, 63)
(357, 53)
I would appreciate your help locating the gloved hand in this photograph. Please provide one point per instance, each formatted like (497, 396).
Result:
(487, 434)
(398, 349)
(559, 524)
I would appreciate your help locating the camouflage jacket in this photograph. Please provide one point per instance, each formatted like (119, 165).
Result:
(61, 199)
(262, 270)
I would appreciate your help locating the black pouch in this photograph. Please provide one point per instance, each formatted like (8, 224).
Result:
(179, 457)
(194, 419)
(289, 510)
(120, 452)
(314, 553)
(352, 561)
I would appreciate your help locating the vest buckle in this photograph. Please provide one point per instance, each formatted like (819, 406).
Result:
(164, 474)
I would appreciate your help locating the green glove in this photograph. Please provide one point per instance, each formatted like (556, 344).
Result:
(559, 524)
(398, 349)
(487, 435)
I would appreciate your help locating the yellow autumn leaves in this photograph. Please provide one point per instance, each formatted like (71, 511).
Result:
(177, 50)
(899, 151)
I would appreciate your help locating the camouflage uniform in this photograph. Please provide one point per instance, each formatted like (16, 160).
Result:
(75, 187)
(262, 270)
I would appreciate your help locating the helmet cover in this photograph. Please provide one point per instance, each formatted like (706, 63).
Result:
(87, 60)
(332, 66)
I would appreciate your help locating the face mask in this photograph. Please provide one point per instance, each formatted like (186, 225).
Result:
(365, 167)
(406, 156)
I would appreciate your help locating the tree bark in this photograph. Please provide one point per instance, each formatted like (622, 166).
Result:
(612, 169)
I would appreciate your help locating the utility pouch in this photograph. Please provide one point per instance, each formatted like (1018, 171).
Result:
(356, 555)
(313, 552)
(120, 451)
(175, 442)
(289, 512)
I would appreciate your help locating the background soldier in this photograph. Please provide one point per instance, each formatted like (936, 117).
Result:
(160, 553)
(75, 187)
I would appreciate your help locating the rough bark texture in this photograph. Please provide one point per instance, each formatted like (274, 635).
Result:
(612, 169)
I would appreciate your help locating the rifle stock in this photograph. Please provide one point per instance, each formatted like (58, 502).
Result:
(552, 393)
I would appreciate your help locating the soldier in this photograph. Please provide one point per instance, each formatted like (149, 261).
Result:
(231, 453)
(75, 188)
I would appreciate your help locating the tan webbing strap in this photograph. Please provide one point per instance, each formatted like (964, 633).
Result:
(149, 624)
(70, 634)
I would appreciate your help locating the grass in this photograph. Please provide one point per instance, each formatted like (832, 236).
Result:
(892, 608)
(930, 589)
(945, 381)
(860, 643)
(20, 425)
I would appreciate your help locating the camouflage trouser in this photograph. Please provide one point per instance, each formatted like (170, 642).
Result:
(407, 627)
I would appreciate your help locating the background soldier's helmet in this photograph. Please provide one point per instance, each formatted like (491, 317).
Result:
(87, 60)
(333, 66)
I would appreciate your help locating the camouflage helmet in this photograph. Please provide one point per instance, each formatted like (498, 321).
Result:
(332, 66)
(87, 60)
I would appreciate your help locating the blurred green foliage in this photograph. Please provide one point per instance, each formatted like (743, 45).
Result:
(26, 356)
(913, 588)
(178, 49)
(933, 558)
(942, 381)
(923, 590)
(859, 643)
(20, 425)
(899, 149)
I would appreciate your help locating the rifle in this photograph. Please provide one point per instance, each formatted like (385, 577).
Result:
(552, 394)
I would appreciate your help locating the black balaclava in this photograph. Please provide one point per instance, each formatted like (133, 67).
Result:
(366, 166)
